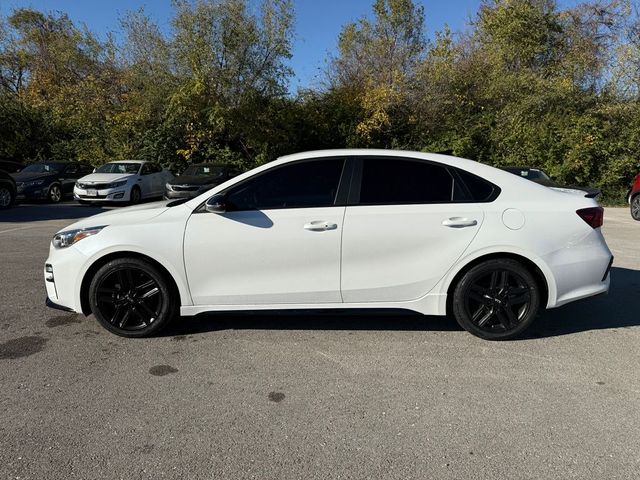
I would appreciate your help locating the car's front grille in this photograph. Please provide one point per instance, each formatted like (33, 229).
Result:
(91, 197)
(185, 188)
(97, 186)
(19, 184)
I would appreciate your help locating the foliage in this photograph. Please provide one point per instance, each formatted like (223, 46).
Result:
(528, 82)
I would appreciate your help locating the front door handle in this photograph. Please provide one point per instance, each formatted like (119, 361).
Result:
(320, 226)
(459, 222)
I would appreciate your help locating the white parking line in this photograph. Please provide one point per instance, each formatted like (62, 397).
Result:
(18, 228)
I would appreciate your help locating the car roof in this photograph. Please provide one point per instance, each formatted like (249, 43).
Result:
(128, 161)
(463, 163)
(511, 167)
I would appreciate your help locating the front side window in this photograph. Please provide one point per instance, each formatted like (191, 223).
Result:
(389, 181)
(299, 185)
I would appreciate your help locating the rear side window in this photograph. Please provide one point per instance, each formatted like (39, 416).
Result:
(397, 181)
(299, 185)
(479, 190)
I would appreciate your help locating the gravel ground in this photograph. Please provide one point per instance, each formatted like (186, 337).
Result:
(314, 396)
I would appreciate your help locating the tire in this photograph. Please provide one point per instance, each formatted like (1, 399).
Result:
(135, 196)
(7, 197)
(496, 299)
(635, 207)
(132, 298)
(54, 195)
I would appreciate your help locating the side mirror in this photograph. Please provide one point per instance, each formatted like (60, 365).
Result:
(216, 204)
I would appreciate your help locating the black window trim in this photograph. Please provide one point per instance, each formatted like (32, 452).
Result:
(356, 183)
(342, 193)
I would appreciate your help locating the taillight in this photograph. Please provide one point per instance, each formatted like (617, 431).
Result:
(594, 216)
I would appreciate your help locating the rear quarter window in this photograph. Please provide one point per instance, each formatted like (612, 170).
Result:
(478, 189)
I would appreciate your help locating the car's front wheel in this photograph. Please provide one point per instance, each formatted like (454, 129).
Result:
(635, 207)
(6, 197)
(496, 300)
(131, 298)
(55, 193)
(135, 195)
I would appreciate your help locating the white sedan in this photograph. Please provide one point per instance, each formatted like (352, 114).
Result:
(339, 229)
(122, 181)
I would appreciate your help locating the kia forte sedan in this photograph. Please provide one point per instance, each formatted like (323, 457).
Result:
(339, 229)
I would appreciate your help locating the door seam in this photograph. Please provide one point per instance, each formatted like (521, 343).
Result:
(344, 215)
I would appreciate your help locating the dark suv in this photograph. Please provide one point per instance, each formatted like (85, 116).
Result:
(50, 181)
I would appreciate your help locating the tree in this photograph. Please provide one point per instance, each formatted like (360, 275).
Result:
(376, 63)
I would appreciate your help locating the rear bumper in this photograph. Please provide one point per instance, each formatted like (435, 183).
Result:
(581, 271)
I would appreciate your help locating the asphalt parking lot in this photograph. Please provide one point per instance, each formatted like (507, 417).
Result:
(314, 396)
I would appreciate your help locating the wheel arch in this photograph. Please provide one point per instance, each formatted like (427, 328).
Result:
(546, 285)
(99, 262)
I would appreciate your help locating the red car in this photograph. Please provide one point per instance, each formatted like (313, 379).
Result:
(634, 198)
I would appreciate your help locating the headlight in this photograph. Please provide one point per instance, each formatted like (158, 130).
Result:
(117, 184)
(68, 238)
(33, 183)
(80, 185)
(167, 186)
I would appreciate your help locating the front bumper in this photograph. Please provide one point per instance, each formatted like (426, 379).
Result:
(55, 306)
(39, 192)
(119, 194)
(62, 277)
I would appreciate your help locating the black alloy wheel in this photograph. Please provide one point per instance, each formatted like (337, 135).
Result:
(131, 298)
(635, 207)
(496, 300)
(55, 193)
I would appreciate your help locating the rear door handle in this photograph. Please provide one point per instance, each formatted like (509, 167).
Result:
(459, 222)
(320, 225)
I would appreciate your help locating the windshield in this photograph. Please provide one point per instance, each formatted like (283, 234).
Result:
(203, 170)
(44, 168)
(117, 167)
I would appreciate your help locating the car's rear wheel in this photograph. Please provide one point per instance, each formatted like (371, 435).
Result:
(635, 207)
(6, 197)
(131, 298)
(135, 195)
(496, 300)
(55, 193)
